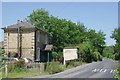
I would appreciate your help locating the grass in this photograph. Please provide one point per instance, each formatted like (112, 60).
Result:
(24, 74)
(51, 68)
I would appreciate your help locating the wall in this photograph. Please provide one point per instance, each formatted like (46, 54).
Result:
(12, 41)
(27, 42)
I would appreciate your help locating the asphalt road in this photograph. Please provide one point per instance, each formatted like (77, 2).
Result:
(104, 69)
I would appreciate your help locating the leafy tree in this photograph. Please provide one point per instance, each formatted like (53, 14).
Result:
(109, 52)
(115, 35)
(85, 52)
(64, 33)
(97, 39)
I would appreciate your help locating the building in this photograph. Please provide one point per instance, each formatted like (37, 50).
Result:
(27, 41)
(1, 44)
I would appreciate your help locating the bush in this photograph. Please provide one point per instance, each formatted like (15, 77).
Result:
(117, 74)
(54, 67)
(11, 67)
(117, 56)
(112, 56)
(20, 64)
(16, 66)
(75, 63)
(55, 55)
(97, 56)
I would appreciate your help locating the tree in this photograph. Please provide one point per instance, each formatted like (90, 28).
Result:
(109, 52)
(97, 39)
(65, 33)
(116, 36)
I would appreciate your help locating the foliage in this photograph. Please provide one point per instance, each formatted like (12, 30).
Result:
(117, 57)
(55, 55)
(115, 35)
(88, 53)
(54, 67)
(64, 33)
(97, 56)
(85, 52)
(24, 74)
(109, 52)
(75, 63)
(2, 51)
(17, 66)
(20, 64)
(117, 73)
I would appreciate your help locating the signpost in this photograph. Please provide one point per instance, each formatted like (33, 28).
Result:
(69, 54)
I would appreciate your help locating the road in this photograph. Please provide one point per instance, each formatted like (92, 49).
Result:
(104, 69)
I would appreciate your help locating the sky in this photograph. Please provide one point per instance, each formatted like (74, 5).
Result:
(94, 15)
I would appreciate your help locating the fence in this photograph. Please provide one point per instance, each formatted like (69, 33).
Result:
(1, 72)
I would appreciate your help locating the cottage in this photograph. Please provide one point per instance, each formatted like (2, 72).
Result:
(28, 41)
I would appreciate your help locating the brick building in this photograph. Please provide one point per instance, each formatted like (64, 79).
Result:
(28, 41)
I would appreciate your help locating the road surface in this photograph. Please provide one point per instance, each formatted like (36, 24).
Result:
(104, 69)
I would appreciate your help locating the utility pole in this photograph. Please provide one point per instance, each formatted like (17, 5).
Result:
(18, 50)
(6, 66)
(19, 39)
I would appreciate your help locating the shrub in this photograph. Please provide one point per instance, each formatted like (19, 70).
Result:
(112, 56)
(117, 74)
(75, 63)
(97, 56)
(20, 64)
(16, 66)
(117, 56)
(55, 55)
(54, 67)
(11, 67)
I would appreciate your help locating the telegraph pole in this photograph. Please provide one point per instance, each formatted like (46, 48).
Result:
(18, 50)
(19, 38)
(6, 66)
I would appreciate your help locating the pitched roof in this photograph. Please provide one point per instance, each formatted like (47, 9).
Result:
(22, 25)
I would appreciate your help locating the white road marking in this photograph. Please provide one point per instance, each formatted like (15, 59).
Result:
(101, 70)
(95, 70)
(111, 71)
(105, 70)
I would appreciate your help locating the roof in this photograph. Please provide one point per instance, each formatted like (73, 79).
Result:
(72, 47)
(46, 47)
(22, 25)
